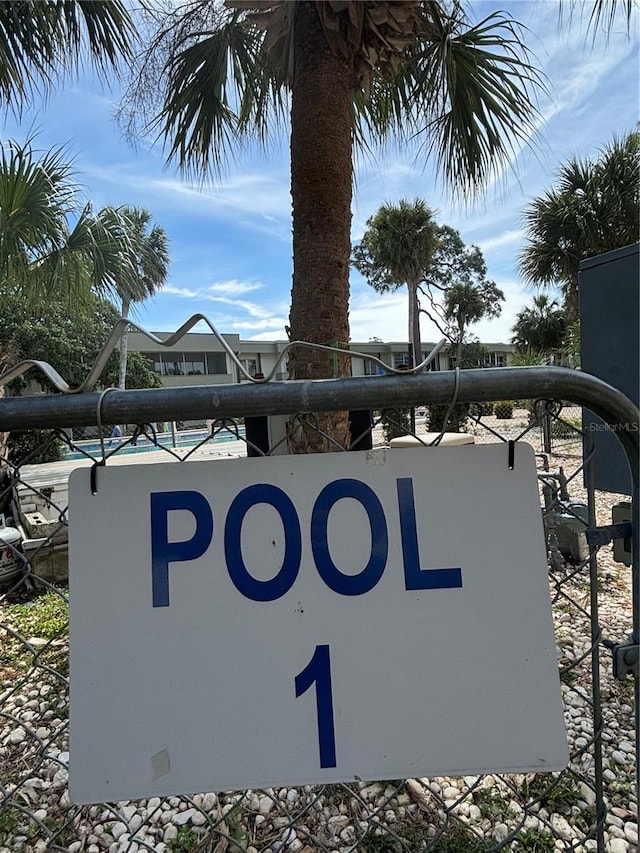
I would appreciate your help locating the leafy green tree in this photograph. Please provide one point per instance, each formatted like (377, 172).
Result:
(150, 262)
(593, 207)
(541, 326)
(466, 303)
(395, 251)
(41, 41)
(69, 341)
(456, 290)
(339, 75)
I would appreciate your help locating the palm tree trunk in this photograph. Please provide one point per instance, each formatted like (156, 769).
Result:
(321, 190)
(414, 324)
(571, 302)
(124, 346)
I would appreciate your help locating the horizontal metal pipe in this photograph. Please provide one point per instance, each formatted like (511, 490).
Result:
(362, 392)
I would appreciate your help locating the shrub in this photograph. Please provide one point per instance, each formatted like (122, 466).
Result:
(32, 447)
(457, 421)
(395, 422)
(503, 410)
(479, 410)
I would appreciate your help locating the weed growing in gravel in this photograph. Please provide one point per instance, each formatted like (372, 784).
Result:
(185, 841)
(458, 839)
(380, 844)
(533, 841)
(9, 820)
(491, 803)
(555, 794)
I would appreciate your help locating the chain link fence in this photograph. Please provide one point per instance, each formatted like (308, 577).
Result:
(591, 805)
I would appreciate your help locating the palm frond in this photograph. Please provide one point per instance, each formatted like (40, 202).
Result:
(36, 195)
(220, 92)
(475, 87)
(42, 40)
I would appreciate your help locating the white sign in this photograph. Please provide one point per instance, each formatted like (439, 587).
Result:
(251, 623)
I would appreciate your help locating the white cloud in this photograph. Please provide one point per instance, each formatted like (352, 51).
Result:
(233, 287)
(269, 322)
(184, 292)
(507, 238)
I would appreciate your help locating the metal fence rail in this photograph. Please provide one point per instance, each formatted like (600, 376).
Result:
(592, 805)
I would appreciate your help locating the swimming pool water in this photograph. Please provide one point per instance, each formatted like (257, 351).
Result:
(182, 440)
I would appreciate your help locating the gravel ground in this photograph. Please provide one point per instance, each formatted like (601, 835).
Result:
(544, 812)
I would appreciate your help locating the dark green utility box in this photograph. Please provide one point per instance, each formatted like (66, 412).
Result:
(609, 287)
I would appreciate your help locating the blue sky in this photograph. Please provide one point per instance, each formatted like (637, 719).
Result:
(230, 243)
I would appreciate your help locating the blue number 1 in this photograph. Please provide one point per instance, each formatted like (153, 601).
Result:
(318, 670)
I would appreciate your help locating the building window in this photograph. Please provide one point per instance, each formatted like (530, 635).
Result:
(497, 359)
(250, 365)
(216, 362)
(372, 368)
(186, 363)
(400, 360)
(194, 363)
(155, 361)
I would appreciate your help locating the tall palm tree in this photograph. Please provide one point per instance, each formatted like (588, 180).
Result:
(42, 40)
(593, 207)
(541, 326)
(466, 303)
(149, 259)
(396, 250)
(44, 253)
(339, 74)
(49, 243)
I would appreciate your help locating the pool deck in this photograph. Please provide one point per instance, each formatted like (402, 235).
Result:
(57, 473)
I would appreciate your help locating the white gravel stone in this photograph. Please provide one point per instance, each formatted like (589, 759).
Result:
(209, 802)
(500, 832)
(619, 757)
(40, 814)
(631, 832)
(170, 833)
(618, 845)
(153, 804)
(266, 804)
(588, 794)
(117, 829)
(474, 813)
(198, 818)
(182, 818)
(16, 736)
(561, 826)
(127, 813)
